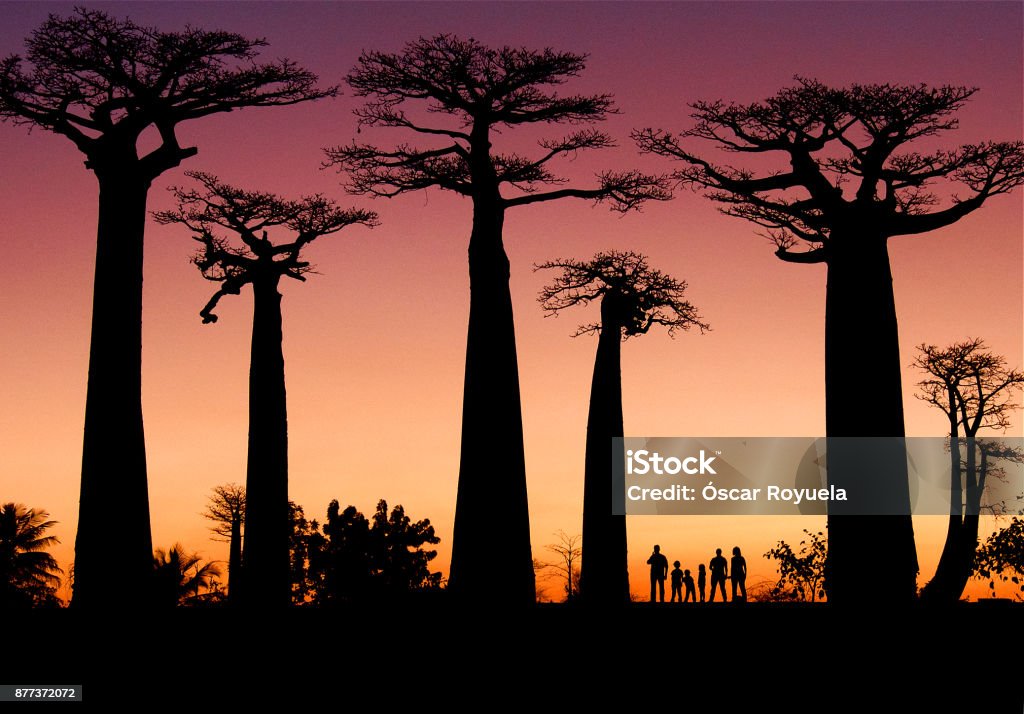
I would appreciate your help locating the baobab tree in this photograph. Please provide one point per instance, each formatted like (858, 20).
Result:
(226, 509)
(846, 183)
(975, 390)
(471, 94)
(212, 212)
(634, 298)
(101, 82)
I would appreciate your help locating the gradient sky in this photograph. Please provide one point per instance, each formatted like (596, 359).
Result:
(374, 345)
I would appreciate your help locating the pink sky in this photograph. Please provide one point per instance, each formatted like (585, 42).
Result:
(374, 345)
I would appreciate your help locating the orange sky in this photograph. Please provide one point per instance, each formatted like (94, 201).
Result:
(374, 345)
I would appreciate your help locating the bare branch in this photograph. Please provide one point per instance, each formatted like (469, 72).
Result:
(624, 191)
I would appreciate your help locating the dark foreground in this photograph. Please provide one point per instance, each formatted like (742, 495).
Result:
(749, 657)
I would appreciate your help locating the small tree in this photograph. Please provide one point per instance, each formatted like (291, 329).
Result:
(801, 572)
(634, 298)
(362, 560)
(472, 94)
(209, 213)
(226, 508)
(1002, 557)
(566, 567)
(29, 576)
(845, 182)
(975, 390)
(305, 545)
(101, 82)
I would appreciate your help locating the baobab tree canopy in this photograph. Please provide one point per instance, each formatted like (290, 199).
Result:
(479, 88)
(848, 165)
(101, 81)
(219, 208)
(649, 297)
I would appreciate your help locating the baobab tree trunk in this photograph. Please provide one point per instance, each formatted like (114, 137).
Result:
(604, 575)
(265, 558)
(939, 590)
(960, 563)
(114, 502)
(492, 521)
(870, 556)
(235, 561)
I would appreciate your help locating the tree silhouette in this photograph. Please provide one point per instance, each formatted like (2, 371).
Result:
(567, 567)
(801, 572)
(1002, 557)
(361, 560)
(848, 185)
(209, 212)
(472, 93)
(306, 542)
(227, 511)
(633, 297)
(178, 576)
(101, 82)
(974, 389)
(29, 576)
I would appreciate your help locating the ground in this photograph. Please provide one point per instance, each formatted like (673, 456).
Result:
(764, 656)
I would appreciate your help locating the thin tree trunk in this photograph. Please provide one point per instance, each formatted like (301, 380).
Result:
(235, 561)
(870, 557)
(942, 588)
(968, 541)
(604, 576)
(265, 558)
(957, 567)
(114, 503)
(491, 555)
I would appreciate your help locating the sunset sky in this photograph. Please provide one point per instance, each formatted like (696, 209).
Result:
(375, 343)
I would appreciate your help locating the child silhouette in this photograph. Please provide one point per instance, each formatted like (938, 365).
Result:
(691, 594)
(677, 582)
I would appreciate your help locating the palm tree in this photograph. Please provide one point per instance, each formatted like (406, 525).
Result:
(29, 576)
(178, 575)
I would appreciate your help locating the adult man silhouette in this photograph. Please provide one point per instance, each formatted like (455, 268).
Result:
(719, 572)
(659, 571)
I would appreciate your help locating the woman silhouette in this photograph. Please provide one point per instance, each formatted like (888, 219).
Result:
(739, 575)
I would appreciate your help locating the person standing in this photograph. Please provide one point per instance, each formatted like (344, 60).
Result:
(719, 572)
(677, 582)
(739, 575)
(659, 571)
(702, 580)
(691, 594)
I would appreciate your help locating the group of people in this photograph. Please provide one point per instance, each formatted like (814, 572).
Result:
(681, 579)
